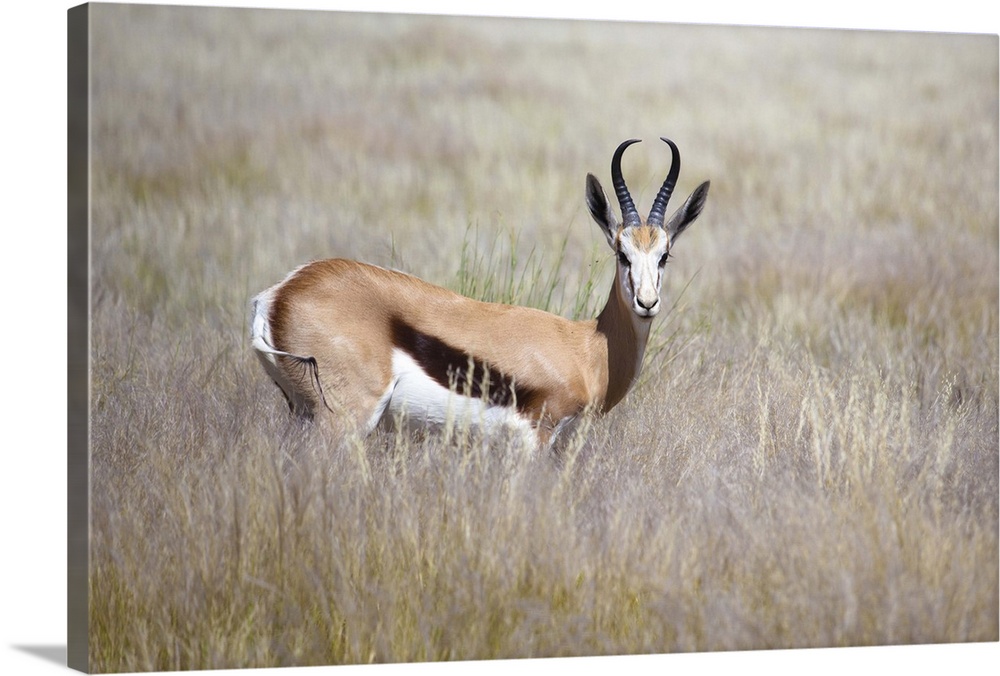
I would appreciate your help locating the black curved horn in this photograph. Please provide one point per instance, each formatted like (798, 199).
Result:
(629, 214)
(659, 210)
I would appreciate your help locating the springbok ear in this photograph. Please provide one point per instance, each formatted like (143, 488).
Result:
(689, 211)
(600, 209)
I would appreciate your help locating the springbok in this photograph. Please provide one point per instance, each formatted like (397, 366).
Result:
(359, 344)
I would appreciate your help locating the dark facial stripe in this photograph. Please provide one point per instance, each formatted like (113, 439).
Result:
(451, 367)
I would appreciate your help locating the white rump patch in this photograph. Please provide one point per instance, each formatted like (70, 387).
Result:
(260, 327)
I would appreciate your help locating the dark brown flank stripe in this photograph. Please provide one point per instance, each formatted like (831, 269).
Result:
(450, 367)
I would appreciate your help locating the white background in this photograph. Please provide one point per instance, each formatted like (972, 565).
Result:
(33, 316)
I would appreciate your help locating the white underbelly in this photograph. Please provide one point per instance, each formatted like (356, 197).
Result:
(420, 401)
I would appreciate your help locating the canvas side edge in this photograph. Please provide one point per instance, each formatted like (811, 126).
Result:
(78, 338)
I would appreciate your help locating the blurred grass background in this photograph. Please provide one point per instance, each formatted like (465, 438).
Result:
(810, 459)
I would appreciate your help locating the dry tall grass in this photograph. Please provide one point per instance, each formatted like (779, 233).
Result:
(811, 458)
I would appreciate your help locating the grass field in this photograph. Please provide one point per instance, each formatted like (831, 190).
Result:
(810, 459)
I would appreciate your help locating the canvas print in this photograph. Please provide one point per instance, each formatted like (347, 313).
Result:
(411, 338)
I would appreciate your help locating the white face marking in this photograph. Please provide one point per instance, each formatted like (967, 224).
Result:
(641, 252)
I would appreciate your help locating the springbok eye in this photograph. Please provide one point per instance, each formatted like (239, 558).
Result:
(623, 259)
(663, 259)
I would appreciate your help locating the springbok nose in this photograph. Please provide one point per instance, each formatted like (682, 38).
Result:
(643, 305)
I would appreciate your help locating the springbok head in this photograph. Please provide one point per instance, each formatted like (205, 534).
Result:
(642, 248)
